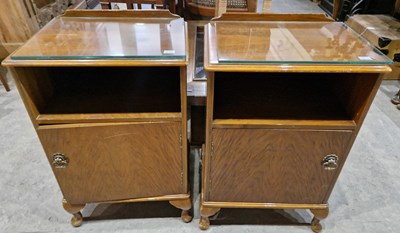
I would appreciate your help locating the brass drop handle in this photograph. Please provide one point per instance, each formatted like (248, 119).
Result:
(330, 162)
(60, 160)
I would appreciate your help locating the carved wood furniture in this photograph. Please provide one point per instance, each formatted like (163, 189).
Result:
(106, 93)
(282, 113)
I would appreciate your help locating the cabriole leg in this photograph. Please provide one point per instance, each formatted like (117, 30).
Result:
(75, 210)
(205, 213)
(185, 205)
(319, 214)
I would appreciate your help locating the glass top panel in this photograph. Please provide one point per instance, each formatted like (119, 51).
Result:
(100, 38)
(290, 42)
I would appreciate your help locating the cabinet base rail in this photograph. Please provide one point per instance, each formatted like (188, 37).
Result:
(209, 209)
(180, 201)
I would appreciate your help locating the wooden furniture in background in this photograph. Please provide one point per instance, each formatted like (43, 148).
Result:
(282, 113)
(155, 4)
(382, 31)
(110, 108)
(17, 24)
(4, 81)
(212, 8)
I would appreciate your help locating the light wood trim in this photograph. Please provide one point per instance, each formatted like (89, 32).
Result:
(95, 63)
(247, 16)
(120, 13)
(283, 124)
(78, 125)
(160, 198)
(207, 47)
(184, 149)
(105, 117)
(209, 118)
(286, 68)
(263, 205)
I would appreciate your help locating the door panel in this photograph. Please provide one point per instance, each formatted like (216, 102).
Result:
(116, 161)
(273, 166)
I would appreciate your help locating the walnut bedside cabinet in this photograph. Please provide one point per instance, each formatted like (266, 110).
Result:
(285, 102)
(106, 93)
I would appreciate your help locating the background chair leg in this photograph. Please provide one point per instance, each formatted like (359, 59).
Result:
(4, 82)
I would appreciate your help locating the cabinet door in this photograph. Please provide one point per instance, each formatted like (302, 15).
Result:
(116, 161)
(273, 166)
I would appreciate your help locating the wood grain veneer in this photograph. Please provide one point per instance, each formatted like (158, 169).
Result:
(283, 165)
(116, 161)
(120, 123)
(270, 128)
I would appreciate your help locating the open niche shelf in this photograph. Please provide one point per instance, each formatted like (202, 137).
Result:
(285, 96)
(92, 90)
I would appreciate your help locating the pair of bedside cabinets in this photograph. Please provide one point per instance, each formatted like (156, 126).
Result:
(107, 94)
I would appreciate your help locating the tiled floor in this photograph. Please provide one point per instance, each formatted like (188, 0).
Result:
(365, 199)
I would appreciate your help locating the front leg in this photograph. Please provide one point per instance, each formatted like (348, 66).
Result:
(319, 214)
(205, 213)
(185, 205)
(75, 210)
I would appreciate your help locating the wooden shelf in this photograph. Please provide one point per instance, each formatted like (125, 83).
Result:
(283, 124)
(44, 119)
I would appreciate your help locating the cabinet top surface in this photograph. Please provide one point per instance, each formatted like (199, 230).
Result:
(88, 38)
(302, 43)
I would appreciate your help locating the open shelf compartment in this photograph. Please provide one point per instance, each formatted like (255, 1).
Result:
(286, 96)
(74, 91)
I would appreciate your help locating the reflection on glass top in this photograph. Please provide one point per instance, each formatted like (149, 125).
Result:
(290, 42)
(96, 38)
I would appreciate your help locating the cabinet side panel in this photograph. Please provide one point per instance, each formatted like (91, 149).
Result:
(354, 91)
(37, 83)
(116, 161)
(184, 133)
(273, 166)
